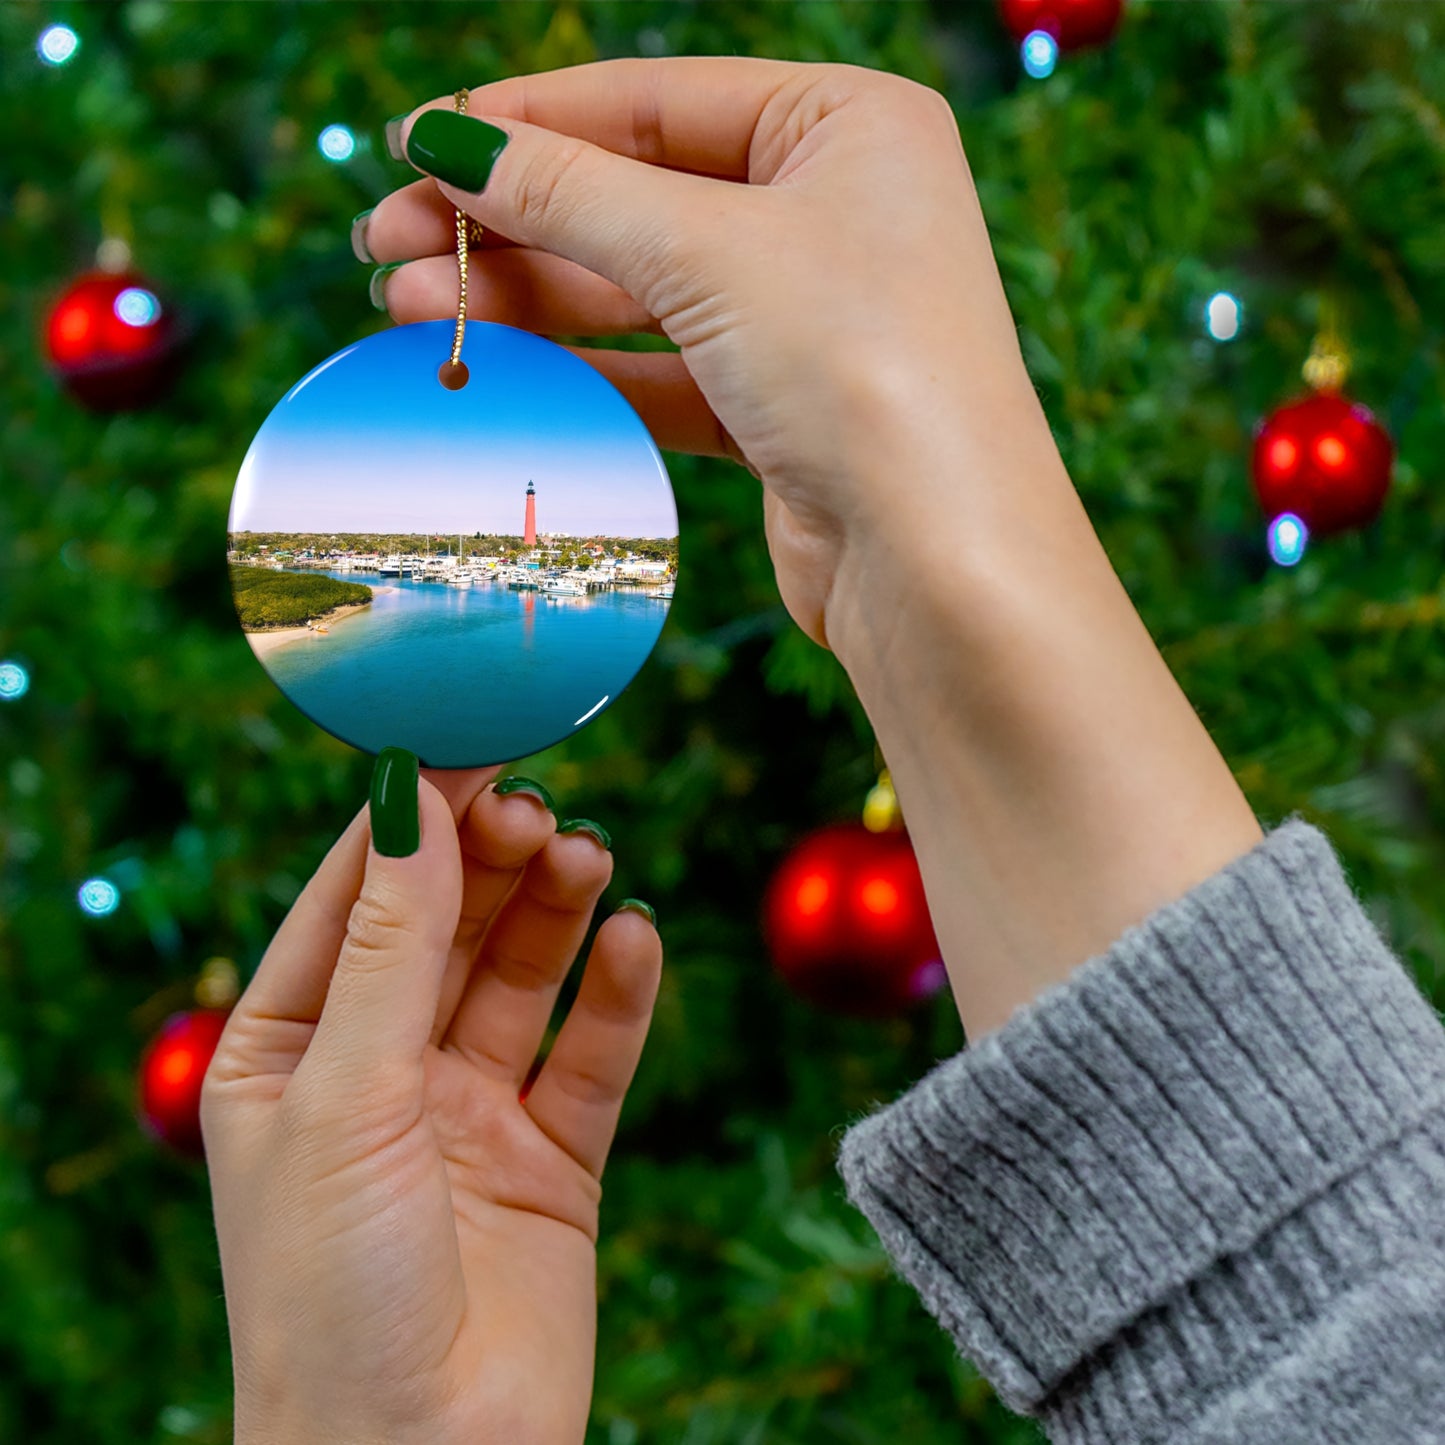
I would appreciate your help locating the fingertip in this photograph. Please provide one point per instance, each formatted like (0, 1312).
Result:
(460, 786)
(628, 951)
(631, 932)
(505, 830)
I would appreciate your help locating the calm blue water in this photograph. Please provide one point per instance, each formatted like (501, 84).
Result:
(466, 676)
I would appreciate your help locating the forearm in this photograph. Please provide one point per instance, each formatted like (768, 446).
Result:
(1057, 783)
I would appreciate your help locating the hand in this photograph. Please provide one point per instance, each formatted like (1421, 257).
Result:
(407, 1247)
(842, 301)
(844, 331)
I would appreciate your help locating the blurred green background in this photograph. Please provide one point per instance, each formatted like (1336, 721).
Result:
(1287, 153)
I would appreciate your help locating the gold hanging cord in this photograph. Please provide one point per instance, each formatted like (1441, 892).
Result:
(453, 373)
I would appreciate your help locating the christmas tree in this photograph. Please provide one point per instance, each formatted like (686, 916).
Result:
(1285, 158)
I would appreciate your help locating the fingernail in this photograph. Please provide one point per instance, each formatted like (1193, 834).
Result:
(358, 238)
(529, 786)
(395, 812)
(393, 137)
(636, 905)
(455, 148)
(377, 287)
(586, 825)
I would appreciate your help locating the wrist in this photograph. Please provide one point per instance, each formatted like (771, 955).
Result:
(1057, 783)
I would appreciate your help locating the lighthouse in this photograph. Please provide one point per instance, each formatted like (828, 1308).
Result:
(529, 529)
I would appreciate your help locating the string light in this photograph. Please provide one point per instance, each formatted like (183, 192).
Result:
(1223, 316)
(98, 897)
(57, 44)
(336, 143)
(14, 681)
(1287, 538)
(137, 307)
(1040, 54)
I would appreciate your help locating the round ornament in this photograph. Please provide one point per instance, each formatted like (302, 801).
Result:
(1326, 460)
(470, 562)
(1073, 24)
(847, 923)
(172, 1070)
(111, 340)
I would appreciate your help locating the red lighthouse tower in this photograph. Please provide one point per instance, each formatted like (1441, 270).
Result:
(529, 529)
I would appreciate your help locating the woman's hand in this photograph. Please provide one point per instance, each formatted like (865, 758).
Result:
(830, 310)
(810, 237)
(407, 1246)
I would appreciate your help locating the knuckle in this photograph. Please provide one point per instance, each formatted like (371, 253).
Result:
(587, 1086)
(543, 187)
(374, 934)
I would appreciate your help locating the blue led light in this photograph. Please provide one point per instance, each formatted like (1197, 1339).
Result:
(336, 143)
(14, 681)
(1287, 538)
(137, 307)
(1223, 316)
(98, 897)
(1040, 53)
(57, 44)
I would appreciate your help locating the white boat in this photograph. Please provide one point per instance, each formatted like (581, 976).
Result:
(460, 579)
(665, 590)
(391, 567)
(563, 587)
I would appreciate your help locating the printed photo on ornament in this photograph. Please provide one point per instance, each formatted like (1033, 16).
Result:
(472, 575)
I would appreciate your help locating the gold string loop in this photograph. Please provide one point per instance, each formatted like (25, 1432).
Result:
(453, 372)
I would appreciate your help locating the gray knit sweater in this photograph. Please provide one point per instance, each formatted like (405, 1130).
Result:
(1196, 1193)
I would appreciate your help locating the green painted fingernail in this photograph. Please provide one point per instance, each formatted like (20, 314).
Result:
(455, 148)
(636, 905)
(395, 811)
(586, 825)
(530, 786)
(358, 238)
(377, 287)
(393, 137)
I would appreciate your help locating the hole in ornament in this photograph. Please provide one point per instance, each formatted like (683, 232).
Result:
(453, 375)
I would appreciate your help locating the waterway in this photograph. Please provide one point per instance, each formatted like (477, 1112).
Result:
(466, 676)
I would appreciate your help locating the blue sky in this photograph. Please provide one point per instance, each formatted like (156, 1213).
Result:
(370, 441)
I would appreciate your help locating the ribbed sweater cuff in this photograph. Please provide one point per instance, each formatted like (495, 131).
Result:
(1178, 1101)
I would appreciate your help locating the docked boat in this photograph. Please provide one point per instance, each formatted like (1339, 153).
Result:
(391, 567)
(665, 591)
(564, 587)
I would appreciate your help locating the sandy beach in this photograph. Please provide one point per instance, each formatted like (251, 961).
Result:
(264, 643)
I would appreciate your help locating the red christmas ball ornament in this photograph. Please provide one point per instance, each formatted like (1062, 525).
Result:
(111, 341)
(847, 923)
(1073, 23)
(1324, 458)
(171, 1072)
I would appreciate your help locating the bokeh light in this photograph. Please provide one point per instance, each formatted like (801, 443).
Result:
(879, 897)
(1287, 538)
(336, 143)
(1040, 53)
(99, 897)
(812, 896)
(14, 681)
(137, 307)
(57, 44)
(1223, 316)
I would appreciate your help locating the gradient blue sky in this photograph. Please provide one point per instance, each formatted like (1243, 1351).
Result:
(370, 441)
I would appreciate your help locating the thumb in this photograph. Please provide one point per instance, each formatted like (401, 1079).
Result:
(623, 219)
(383, 996)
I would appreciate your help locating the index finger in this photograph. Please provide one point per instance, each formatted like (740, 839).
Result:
(687, 112)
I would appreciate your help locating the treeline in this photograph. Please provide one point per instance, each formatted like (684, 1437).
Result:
(287, 599)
